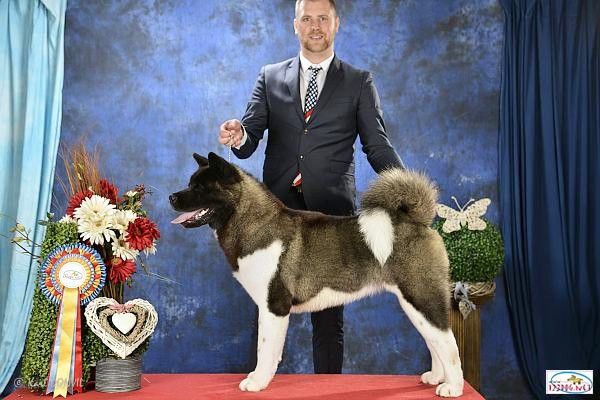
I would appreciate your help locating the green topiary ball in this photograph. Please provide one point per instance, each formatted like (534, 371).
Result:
(475, 256)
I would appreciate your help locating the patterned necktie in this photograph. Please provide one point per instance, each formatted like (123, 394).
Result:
(312, 93)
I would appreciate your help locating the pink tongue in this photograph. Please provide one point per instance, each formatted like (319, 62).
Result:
(184, 217)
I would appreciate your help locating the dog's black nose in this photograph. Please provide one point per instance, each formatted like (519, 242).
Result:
(173, 198)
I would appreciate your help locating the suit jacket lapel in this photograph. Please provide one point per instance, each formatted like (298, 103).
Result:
(292, 79)
(334, 76)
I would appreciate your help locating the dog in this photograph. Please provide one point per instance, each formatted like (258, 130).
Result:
(292, 261)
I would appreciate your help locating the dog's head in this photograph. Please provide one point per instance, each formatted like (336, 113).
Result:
(211, 194)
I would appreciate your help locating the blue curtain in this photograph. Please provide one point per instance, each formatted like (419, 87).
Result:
(549, 152)
(31, 80)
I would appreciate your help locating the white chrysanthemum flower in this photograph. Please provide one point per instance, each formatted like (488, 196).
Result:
(151, 249)
(67, 219)
(122, 218)
(120, 248)
(94, 219)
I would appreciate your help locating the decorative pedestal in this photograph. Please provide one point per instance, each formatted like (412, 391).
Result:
(468, 338)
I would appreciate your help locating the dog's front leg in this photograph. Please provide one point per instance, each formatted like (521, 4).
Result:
(271, 337)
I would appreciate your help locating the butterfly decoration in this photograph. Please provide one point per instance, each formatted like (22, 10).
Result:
(465, 216)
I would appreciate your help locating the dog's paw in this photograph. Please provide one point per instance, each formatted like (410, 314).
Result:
(432, 379)
(253, 383)
(449, 390)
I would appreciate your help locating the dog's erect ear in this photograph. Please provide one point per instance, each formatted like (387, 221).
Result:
(226, 170)
(202, 161)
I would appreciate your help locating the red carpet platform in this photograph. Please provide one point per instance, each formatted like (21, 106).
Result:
(288, 387)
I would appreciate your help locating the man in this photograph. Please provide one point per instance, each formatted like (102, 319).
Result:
(314, 105)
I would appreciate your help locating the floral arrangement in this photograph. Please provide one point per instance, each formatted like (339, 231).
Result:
(116, 226)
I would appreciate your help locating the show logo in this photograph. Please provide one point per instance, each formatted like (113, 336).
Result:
(569, 382)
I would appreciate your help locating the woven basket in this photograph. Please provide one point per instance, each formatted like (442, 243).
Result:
(478, 289)
(119, 375)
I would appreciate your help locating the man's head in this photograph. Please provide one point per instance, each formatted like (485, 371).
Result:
(316, 24)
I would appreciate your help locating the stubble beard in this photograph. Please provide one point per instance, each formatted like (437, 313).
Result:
(316, 47)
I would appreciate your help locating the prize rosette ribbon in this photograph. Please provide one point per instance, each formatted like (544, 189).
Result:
(72, 275)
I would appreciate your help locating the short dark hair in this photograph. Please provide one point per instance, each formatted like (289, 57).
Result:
(331, 3)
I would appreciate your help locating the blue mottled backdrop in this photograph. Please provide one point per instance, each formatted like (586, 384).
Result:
(149, 82)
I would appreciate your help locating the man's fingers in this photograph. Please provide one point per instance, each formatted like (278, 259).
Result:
(230, 133)
(224, 133)
(230, 138)
(233, 125)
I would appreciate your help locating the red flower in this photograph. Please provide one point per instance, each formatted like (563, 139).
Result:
(120, 270)
(109, 191)
(76, 199)
(141, 233)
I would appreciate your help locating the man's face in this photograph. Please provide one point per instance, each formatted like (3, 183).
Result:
(316, 25)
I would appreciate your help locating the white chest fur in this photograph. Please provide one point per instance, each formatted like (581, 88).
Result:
(257, 269)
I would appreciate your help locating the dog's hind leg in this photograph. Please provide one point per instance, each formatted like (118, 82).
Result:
(436, 375)
(271, 338)
(441, 344)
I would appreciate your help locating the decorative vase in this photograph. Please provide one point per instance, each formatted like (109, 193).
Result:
(119, 375)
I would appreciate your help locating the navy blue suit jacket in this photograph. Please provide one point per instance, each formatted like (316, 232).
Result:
(323, 148)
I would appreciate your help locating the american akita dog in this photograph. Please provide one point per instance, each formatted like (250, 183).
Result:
(293, 261)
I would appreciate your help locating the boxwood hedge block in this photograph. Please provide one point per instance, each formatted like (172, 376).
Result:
(42, 324)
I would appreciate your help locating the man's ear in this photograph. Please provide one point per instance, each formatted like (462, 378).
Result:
(227, 171)
(202, 161)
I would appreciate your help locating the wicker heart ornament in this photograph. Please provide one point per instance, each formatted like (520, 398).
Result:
(121, 327)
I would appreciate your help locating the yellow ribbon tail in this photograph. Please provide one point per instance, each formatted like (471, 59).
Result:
(70, 301)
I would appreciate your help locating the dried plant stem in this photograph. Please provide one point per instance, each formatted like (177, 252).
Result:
(81, 169)
(114, 290)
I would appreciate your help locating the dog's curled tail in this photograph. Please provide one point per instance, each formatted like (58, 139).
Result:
(404, 193)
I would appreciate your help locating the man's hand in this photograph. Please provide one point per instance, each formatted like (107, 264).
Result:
(231, 133)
